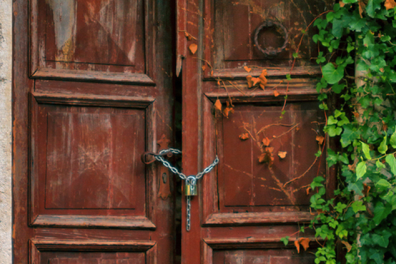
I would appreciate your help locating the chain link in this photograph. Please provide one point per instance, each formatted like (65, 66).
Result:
(190, 180)
(188, 224)
(175, 171)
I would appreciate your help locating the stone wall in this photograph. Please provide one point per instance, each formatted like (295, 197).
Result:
(5, 131)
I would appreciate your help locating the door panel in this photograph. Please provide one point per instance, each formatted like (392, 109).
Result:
(259, 192)
(93, 91)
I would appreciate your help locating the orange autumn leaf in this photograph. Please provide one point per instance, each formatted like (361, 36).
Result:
(255, 81)
(249, 80)
(266, 142)
(297, 245)
(193, 48)
(347, 245)
(276, 94)
(352, 167)
(228, 110)
(247, 68)
(320, 139)
(362, 6)
(244, 136)
(267, 156)
(282, 154)
(218, 105)
(308, 190)
(203, 67)
(304, 241)
(342, 4)
(261, 158)
(188, 36)
(389, 4)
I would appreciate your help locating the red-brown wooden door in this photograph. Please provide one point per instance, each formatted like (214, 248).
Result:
(92, 91)
(244, 207)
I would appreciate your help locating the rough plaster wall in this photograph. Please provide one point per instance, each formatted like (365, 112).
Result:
(5, 131)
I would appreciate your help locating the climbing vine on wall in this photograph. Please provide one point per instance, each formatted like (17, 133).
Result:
(362, 214)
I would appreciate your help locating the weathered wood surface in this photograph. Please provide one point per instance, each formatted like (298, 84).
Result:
(246, 206)
(92, 91)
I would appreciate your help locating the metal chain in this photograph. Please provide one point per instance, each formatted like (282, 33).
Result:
(190, 180)
(175, 171)
(188, 224)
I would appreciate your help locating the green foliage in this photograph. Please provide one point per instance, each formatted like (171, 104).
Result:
(362, 212)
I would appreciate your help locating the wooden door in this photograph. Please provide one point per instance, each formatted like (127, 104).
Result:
(92, 91)
(259, 191)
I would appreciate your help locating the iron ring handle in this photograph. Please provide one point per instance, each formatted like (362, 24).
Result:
(270, 51)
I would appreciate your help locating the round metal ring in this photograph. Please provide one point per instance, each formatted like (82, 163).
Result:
(271, 51)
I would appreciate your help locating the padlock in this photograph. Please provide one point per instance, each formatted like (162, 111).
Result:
(190, 189)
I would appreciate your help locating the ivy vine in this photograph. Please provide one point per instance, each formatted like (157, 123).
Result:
(362, 213)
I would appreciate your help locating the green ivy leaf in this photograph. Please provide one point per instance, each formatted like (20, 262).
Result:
(366, 150)
(382, 185)
(361, 169)
(331, 74)
(285, 240)
(390, 159)
(334, 131)
(331, 120)
(383, 147)
(358, 206)
(381, 239)
(381, 212)
(392, 140)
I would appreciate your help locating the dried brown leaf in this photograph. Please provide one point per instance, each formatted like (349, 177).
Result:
(389, 4)
(342, 4)
(266, 142)
(352, 167)
(366, 189)
(193, 48)
(203, 67)
(308, 190)
(320, 139)
(347, 245)
(276, 94)
(247, 68)
(244, 136)
(362, 6)
(282, 154)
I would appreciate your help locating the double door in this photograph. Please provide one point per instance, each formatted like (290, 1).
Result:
(95, 86)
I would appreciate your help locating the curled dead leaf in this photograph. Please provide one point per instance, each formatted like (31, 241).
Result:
(352, 167)
(276, 94)
(389, 4)
(193, 48)
(347, 245)
(320, 139)
(342, 4)
(255, 81)
(297, 245)
(218, 105)
(203, 67)
(267, 156)
(266, 141)
(247, 68)
(282, 154)
(244, 136)
(228, 110)
(249, 81)
(366, 189)
(308, 190)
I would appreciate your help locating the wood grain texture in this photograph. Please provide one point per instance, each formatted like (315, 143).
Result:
(91, 40)
(103, 83)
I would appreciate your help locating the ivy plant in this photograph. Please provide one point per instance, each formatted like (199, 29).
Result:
(358, 45)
